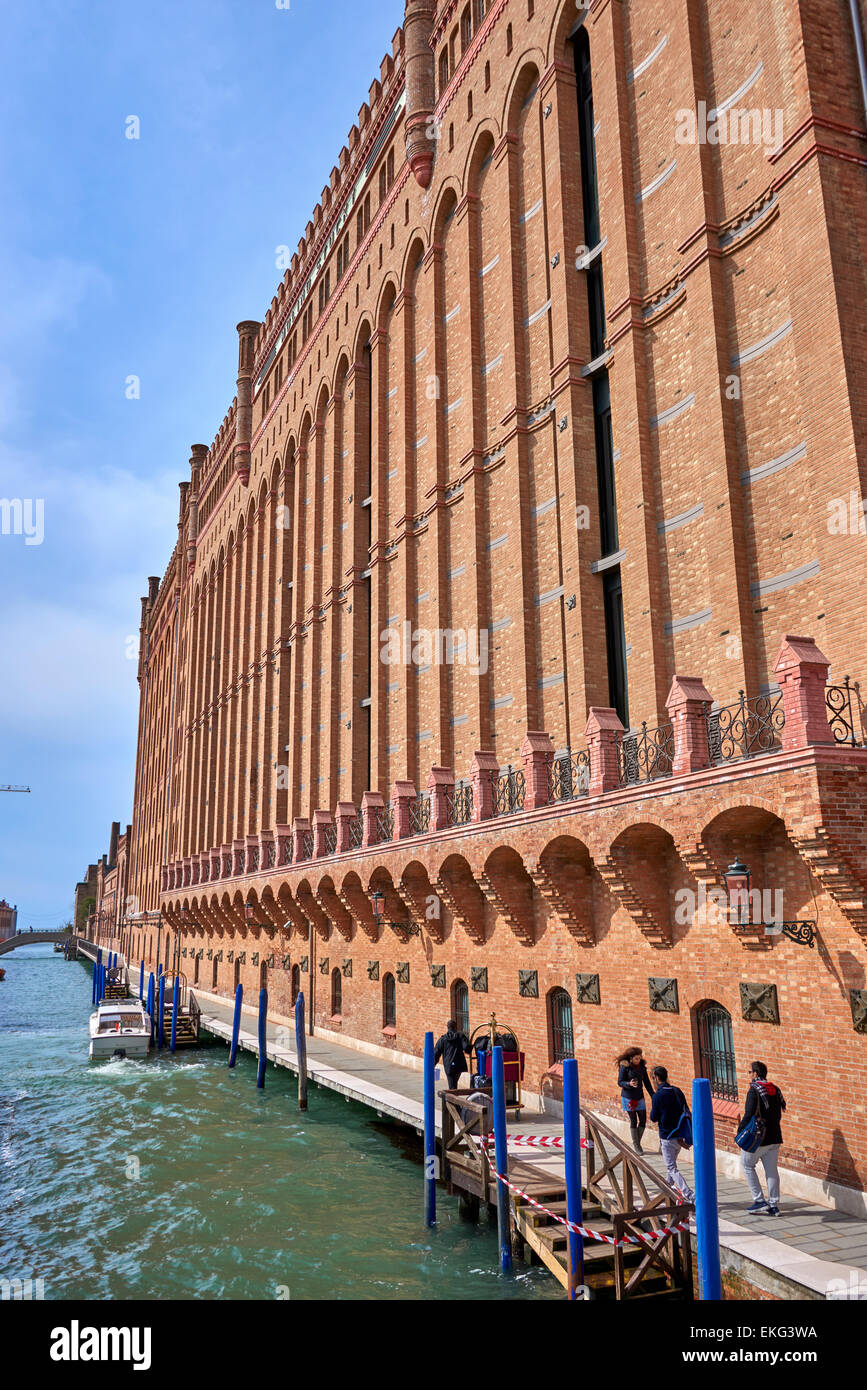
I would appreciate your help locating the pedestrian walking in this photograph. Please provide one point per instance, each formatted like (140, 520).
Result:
(671, 1113)
(633, 1080)
(760, 1137)
(451, 1048)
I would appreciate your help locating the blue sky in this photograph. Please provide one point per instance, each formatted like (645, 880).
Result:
(127, 257)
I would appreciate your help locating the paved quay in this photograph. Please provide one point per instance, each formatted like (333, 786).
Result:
(808, 1251)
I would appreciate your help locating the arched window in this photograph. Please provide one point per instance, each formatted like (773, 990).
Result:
(296, 982)
(716, 1049)
(389, 1011)
(214, 970)
(237, 973)
(466, 29)
(336, 992)
(461, 1005)
(196, 970)
(560, 1033)
(444, 70)
(263, 975)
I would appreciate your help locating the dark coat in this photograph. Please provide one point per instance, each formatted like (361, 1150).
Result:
(769, 1107)
(628, 1073)
(451, 1048)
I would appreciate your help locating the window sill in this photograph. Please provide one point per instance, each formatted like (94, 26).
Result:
(336, 1018)
(389, 1032)
(726, 1109)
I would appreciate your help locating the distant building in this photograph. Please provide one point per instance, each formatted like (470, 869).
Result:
(8, 920)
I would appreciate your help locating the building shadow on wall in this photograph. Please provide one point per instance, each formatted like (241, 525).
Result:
(842, 1168)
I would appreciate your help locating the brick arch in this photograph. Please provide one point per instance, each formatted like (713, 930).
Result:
(414, 256)
(385, 303)
(353, 895)
(447, 200)
(564, 875)
(341, 367)
(743, 803)
(322, 399)
(642, 870)
(483, 143)
(509, 889)
(528, 71)
(562, 23)
(363, 335)
(457, 886)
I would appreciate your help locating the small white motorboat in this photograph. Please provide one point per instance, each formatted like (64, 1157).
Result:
(119, 1028)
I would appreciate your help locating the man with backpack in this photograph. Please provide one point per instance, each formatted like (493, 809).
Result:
(671, 1113)
(451, 1048)
(760, 1138)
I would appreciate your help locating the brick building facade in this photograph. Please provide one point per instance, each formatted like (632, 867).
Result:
(556, 402)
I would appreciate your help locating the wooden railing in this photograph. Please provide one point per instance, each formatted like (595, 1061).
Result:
(466, 1124)
(639, 1201)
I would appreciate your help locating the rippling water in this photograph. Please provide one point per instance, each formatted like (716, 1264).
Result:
(176, 1178)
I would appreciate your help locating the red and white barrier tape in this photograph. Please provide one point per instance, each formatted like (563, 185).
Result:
(641, 1239)
(544, 1141)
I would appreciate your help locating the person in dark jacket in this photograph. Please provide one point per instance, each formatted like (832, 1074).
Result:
(767, 1103)
(633, 1080)
(669, 1104)
(451, 1048)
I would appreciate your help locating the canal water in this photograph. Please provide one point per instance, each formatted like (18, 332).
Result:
(174, 1178)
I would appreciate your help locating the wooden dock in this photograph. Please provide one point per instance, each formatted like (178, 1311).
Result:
(624, 1198)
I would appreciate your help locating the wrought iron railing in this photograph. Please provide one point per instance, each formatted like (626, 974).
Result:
(459, 804)
(646, 755)
(745, 729)
(841, 714)
(286, 854)
(227, 866)
(356, 831)
(384, 823)
(307, 844)
(508, 791)
(254, 858)
(569, 775)
(330, 839)
(272, 854)
(419, 815)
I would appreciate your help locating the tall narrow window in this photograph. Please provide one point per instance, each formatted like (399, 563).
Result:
(716, 1049)
(461, 1005)
(560, 1025)
(389, 1010)
(295, 978)
(214, 970)
(336, 992)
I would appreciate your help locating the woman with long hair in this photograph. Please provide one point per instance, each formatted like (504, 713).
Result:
(632, 1079)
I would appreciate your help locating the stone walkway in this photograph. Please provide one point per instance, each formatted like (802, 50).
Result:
(821, 1250)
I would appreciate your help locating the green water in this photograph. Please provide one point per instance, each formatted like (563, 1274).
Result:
(176, 1178)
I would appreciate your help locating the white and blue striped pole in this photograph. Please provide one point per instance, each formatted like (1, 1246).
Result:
(502, 1154)
(430, 1136)
(706, 1211)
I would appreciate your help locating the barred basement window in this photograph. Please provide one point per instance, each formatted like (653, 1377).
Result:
(716, 1049)
(560, 1035)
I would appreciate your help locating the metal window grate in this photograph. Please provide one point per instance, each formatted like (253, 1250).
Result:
(389, 1011)
(562, 1036)
(716, 1051)
(461, 1005)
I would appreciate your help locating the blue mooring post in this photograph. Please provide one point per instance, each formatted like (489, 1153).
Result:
(141, 980)
(93, 984)
(502, 1154)
(150, 1003)
(176, 999)
(236, 1025)
(161, 1009)
(263, 1038)
(430, 1135)
(706, 1210)
(572, 1154)
(301, 1051)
